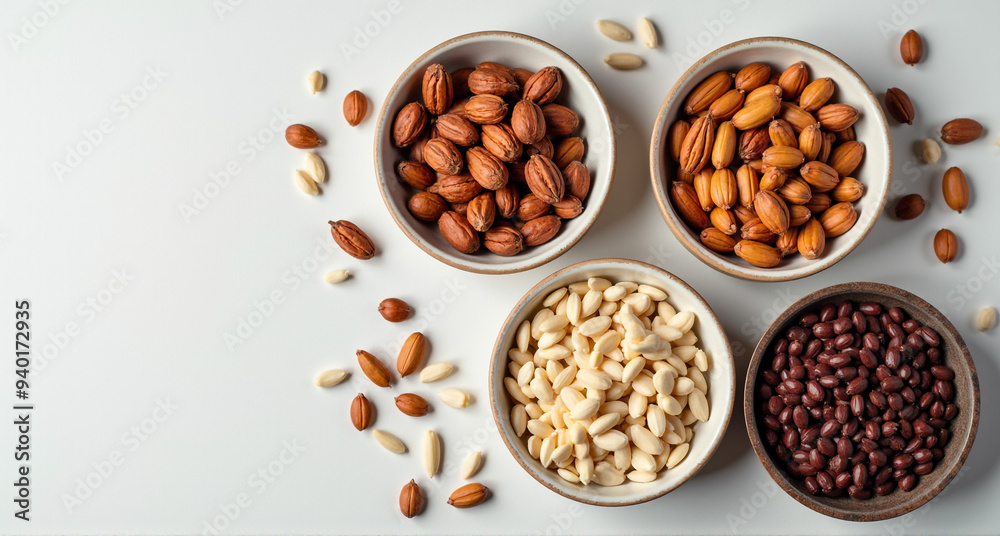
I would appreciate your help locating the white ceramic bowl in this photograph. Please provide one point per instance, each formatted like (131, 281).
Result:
(721, 380)
(875, 170)
(517, 51)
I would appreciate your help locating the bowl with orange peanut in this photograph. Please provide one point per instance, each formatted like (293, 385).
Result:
(770, 159)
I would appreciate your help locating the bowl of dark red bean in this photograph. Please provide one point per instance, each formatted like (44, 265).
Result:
(862, 401)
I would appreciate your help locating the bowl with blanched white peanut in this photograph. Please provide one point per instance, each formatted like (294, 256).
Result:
(612, 382)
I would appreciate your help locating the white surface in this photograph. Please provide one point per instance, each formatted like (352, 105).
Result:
(162, 336)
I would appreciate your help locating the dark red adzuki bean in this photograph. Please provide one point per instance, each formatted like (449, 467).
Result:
(856, 399)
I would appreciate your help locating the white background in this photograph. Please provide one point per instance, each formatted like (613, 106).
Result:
(161, 338)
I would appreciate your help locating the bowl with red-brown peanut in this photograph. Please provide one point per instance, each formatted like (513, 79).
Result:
(494, 152)
(862, 401)
(612, 382)
(770, 159)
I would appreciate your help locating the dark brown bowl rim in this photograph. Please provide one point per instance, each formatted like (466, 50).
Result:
(494, 393)
(473, 266)
(915, 500)
(680, 229)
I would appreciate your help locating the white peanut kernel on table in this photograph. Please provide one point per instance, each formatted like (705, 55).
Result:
(608, 382)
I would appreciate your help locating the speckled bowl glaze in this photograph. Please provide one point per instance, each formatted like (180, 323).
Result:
(875, 171)
(579, 93)
(963, 427)
(721, 378)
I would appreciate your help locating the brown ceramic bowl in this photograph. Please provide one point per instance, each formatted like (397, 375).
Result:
(872, 130)
(720, 376)
(517, 51)
(963, 427)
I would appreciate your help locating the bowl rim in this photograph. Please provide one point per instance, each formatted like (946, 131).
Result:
(473, 265)
(539, 288)
(749, 412)
(679, 229)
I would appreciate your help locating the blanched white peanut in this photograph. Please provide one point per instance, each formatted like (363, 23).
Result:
(683, 321)
(637, 403)
(554, 323)
(550, 339)
(534, 446)
(698, 404)
(606, 474)
(540, 429)
(683, 386)
(643, 383)
(623, 458)
(608, 380)
(656, 420)
(573, 308)
(523, 336)
(667, 333)
(564, 378)
(554, 297)
(663, 382)
(655, 293)
(562, 453)
(644, 439)
(700, 383)
(611, 440)
(688, 339)
(665, 311)
(584, 409)
(595, 326)
(526, 373)
(567, 475)
(616, 406)
(598, 283)
(669, 405)
(701, 360)
(677, 455)
(536, 322)
(641, 476)
(580, 287)
(590, 303)
(585, 468)
(519, 419)
(607, 308)
(602, 424)
(642, 460)
(597, 379)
